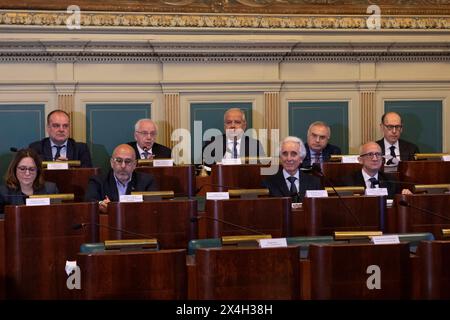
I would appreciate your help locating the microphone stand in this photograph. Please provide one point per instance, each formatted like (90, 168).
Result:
(316, 170)
(228, 223)
(82, 225)
(407, 204)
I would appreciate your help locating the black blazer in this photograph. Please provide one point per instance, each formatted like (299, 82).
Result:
(278, 188)
(17, 197)
(407, 149)
(255, 151)
(357, 179)
(158, 150)
(75, 151)
(326, 154)
(101, 186)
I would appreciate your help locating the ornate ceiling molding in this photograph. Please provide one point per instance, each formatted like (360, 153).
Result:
(176, 21)
(395, 7)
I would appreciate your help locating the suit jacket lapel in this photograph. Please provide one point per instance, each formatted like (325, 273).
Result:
(70, 149)
(47, 150)
(282, 183)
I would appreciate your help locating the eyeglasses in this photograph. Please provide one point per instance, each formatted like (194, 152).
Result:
(145, 133)
(370, 155)
(391, 127)
(236, 122)
(315, 136)
(119, 161)
(57, 125)
(29, 169)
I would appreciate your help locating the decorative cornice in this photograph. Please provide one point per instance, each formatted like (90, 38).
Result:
(169, 21)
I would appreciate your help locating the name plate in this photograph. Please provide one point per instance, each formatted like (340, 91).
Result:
(233, 161)
(390, 239)
(217, 196)
(163, 162)
(131, 198)
(272, 243)
(349, 159)
(296, 205)
(58, 166)
(446, 157)
(316, 194)
(376, 192)
(389, 203)
(37, 201)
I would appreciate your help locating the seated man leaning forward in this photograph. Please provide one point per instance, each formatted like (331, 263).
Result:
(121, 179)
(290, 181)
(370, 176)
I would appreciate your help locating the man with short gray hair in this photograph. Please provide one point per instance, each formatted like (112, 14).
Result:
(145, 147)
(290, 181)
(318, 149)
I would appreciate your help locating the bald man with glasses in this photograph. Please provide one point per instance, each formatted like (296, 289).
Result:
(371, 158)
(393, 148)
(120, 180)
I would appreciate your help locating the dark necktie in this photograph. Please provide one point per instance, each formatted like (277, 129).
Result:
(293, 189)
(393, 155)
(145, 154)
(58, 152)
(317, 157)
(235, 148)
(373, 182)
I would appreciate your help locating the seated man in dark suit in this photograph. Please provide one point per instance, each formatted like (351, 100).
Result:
(234, 143)
(370, 176)
(290, 181)
(58, 145)
(392, 146)
(145, 147)
(120, 180)
(318, 149)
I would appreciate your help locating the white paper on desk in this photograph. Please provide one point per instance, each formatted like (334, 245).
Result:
(376, 192)
(231, 161)
(316, 194)
(217, 196)
(446, 157)
(389, 239)
(296, 205)
(37, 201)
(350, 159)
(58, 166)
(163, 162)
(272, 243)
(131, 198)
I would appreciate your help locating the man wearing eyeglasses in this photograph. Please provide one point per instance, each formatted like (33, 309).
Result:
(318, 149)
(234, 143)
(370, 176)
(145, 147)
(394, 148)
(120, 180)
(58, 146)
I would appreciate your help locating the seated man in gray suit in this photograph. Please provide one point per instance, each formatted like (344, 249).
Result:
(290, 181)
(234, 143)
(120, 180)
(145, 147)
(394, 148)
(58, 145)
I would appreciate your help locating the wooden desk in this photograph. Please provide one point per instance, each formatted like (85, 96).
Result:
(134, 275)
(2, 260)
(247, 273)
(323, 216)
(341, 271)
(73, 180)
(266, 215)
(413, 220)
(39, 241)
(179, 179)
(244, 176)
(335, 171)
(434, 270)
(168, 221)
(424, 172)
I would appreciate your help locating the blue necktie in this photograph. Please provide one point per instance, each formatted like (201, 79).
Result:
(58, 152)
(235, 148)
(373, 182)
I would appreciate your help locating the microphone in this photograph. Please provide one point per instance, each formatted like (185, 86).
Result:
(13, 149)
(195, 219)
(404, 203)
(317, 171)
(78, 226)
